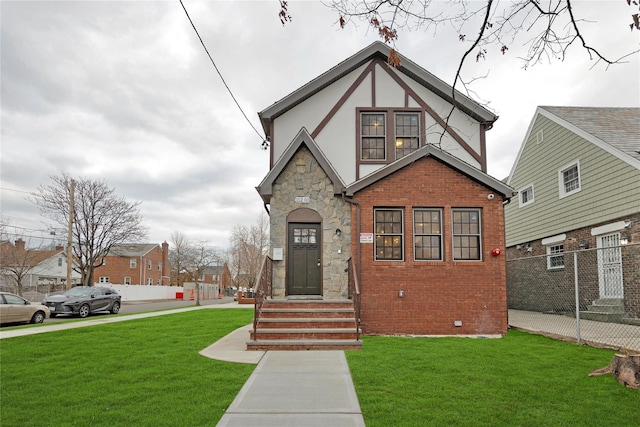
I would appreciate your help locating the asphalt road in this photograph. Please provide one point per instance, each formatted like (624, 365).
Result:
(132, 307)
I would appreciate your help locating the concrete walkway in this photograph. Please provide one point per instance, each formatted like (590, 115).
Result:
(598, 334)
(297, 388)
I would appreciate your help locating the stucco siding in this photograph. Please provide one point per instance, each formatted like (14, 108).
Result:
(609, 186)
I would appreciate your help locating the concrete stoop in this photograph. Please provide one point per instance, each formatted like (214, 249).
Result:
(306, 324)
(605, 310)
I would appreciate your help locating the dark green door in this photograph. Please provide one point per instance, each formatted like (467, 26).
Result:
(303, 260)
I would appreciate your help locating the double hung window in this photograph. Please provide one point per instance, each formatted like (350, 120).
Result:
(569, 179)
(374, 136)
(427, 229)
(466, 234)
(388, 234)
(387, 135)
(407, 133)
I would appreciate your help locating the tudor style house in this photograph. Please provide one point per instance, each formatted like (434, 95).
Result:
(369, 184)
(578, 179)
(135, 264)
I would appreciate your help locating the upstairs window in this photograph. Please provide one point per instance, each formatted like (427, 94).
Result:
(373, 136)
(569, 179)
(133, 262)
(466, 234)
(127, 280)
(389, 234)
(407, 133)
(526, 195)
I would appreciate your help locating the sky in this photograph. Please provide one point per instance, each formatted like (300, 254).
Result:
(123, 91)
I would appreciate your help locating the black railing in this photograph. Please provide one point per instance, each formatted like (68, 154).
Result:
(354, 293)
(263, 290)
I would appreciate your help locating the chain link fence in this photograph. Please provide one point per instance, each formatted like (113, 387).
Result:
(588, 296)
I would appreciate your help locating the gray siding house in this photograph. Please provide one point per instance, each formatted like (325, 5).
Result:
(578, 180)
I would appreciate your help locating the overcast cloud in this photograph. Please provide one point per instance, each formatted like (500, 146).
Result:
(123, 91)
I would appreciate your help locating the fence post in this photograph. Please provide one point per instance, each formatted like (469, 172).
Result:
(575, 280)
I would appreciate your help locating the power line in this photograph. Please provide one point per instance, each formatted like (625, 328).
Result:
(265, 144)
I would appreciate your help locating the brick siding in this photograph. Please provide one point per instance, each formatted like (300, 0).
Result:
(435, 293)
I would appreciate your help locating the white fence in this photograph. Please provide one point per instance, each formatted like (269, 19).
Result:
(148, 293)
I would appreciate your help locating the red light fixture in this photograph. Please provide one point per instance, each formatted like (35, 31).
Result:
(496, 251)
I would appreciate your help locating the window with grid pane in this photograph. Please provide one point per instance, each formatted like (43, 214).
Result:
(466, 234)
(427, 227)
(373, 136)
(555, 257)
(389, 234)
(569, 179)
(407, 133)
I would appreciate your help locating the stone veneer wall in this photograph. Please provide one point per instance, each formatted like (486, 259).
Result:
(303, 177)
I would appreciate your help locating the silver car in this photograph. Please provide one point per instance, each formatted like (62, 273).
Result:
(84, 300)
(15, 309)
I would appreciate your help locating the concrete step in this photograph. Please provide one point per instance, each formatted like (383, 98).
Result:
(274, 313)
(309, 344)
(307, 322)
(603, 316)
(607, 305)
(304, 334)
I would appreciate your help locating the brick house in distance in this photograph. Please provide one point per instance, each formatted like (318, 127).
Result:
(135, 264)
(365, 179)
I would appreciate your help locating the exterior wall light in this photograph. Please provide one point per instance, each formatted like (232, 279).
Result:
(496, 251)
(338, 232)
(401, 294)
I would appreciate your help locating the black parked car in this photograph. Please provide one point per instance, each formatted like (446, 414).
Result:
(83, 300)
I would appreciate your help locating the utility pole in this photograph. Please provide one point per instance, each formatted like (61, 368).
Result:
(70, 233)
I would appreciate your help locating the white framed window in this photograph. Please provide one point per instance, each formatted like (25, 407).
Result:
(427, 234)
(60, 262)
(149, 263)
(526, 196)
(466, 234)
(127, 280)
(104, 279)
(555, 256)
(149, 282)
(133, 262)
(569, 179)
(389, 234)
(159, 266)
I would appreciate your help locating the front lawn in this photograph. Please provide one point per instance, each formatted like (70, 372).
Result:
(144, 372)
(519, 380)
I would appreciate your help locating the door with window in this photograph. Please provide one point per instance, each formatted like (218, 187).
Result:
(610, 266)
(304, 264)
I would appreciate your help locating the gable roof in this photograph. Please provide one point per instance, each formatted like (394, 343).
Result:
(615, 130)
(618, 127)
(265, 189)
(131, 249)
(430, 150)
(382, 51)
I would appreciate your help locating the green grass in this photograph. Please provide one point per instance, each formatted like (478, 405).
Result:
(519, 380)
(144, 372)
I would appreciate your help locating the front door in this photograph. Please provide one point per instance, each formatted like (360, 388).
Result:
(610, 266)
(303, 261)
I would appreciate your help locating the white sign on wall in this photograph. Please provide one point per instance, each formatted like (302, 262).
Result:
(302, 199)
(366, 237)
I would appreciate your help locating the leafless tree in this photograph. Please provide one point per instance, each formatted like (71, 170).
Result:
(180, 246)
(16, 263)
(488, 27)
(101, 219)
(197, 257)
(248, 246)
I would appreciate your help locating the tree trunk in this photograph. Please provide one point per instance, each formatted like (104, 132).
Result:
(626, 369)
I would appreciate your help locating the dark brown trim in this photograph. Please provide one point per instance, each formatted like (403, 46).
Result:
(483, 147)
(342, 100)
(406, 99)
(272, 132)
(433, 114)
(373, 85)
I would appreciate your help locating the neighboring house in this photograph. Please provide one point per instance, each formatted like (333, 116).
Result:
(135, 264)
(217, 275)
(578, 178)
(36, 268)
(361, 169)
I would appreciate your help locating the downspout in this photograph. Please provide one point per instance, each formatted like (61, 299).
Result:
(357, 205)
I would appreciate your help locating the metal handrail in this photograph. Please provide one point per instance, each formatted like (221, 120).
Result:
(354, 293)
(263, 290)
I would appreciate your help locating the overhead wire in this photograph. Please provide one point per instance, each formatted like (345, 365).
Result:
(264, 144)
